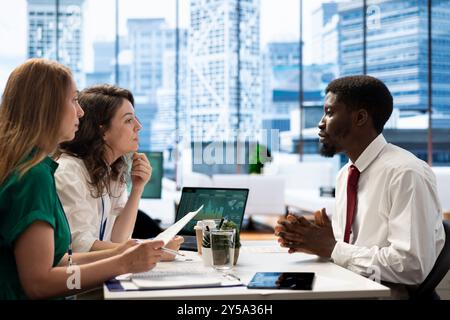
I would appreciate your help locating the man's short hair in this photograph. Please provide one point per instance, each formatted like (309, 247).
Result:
(364, 92)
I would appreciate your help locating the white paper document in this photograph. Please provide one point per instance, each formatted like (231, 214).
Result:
(172, 231)
(168, 276)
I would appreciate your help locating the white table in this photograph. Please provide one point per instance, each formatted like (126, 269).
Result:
(331, 282)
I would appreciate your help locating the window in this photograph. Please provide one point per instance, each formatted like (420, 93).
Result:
(240, 64)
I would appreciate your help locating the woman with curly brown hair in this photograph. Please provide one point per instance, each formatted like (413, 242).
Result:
(91, 178)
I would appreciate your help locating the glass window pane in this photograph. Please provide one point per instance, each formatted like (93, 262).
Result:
(147, 37)
(350, 38)
(397, 53)
(333, 37)
(98, 41)
(14, 20)
(280, 49)
(440, 77)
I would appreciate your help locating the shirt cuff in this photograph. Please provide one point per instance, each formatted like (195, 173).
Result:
(342, 253)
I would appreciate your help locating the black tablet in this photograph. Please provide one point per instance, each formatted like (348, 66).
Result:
(282, 280)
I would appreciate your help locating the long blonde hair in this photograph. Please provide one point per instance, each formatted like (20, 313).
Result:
(31, 110)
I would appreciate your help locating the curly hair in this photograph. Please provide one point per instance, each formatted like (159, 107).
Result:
(364, 92)
(99, 103)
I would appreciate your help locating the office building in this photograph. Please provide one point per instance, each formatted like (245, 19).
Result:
(164, 125)
(324, 28)
(225, 68)
(105, 63)
(397, 50)
(148, 39)
(283, 87)
(103, 72)
(42, 33)
(104, 56)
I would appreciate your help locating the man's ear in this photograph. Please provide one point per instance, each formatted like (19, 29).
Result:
(362, 117)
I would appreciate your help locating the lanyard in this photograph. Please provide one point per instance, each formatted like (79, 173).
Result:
(103, 223)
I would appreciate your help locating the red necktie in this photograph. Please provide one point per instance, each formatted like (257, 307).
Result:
(352, 188)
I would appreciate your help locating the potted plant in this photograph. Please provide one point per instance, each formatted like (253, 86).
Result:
(206, 242)
(229, 225)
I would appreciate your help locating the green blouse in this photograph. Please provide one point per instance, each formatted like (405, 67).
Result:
(22, 202)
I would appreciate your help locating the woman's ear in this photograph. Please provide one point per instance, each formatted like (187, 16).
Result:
(103, 132)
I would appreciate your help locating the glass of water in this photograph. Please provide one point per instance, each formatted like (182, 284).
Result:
(222, 249)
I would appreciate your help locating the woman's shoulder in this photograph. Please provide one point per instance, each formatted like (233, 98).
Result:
(39, 173)
(69, 163)
(38, 179)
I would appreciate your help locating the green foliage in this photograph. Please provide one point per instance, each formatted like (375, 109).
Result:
(258, 157)
(226, 225)
(229, 225)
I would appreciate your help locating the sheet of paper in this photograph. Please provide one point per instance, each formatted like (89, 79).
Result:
(169, 276)
(172, 231)
(176, 282)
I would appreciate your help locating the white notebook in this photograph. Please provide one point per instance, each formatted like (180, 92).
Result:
(183, 277)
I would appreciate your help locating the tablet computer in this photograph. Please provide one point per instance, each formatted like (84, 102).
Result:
(282, 280)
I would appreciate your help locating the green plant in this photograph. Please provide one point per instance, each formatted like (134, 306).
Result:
(259, 155)
(229, 225)
(226, 225)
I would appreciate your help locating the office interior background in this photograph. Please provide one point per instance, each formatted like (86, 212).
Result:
(206, 71)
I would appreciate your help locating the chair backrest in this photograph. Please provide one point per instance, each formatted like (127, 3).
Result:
(443, 185)
(266, 196)
(307, 175)
(195, 179)
(427, 289)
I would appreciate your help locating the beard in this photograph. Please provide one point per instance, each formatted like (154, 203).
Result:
(332, 146)
(327, 150)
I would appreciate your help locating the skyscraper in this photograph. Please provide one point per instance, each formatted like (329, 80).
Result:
(62, 43)
(164, 126)
(224, 61)
(283, 71)
(397, 50)
(148, 40)
(324, 34)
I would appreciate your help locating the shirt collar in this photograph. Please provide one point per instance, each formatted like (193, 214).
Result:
(370, 153)
(51, 163)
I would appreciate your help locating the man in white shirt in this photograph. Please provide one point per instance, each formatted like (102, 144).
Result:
(388, 220)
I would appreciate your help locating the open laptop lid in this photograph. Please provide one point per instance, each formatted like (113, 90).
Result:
(218, 202)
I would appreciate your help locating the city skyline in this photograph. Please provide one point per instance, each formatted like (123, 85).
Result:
(102, 26)
(213, 104)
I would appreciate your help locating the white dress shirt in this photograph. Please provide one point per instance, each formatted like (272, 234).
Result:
(85, 213)
(398, 229)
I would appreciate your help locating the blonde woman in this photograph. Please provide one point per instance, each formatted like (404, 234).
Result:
(39, 110)
(91, 177)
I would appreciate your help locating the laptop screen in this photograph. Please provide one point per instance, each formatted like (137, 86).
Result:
(218, 202)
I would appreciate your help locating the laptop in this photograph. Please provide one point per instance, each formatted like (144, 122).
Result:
(217, 203)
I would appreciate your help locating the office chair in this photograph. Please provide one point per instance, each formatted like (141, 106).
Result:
(145, 227)
(426, 291)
